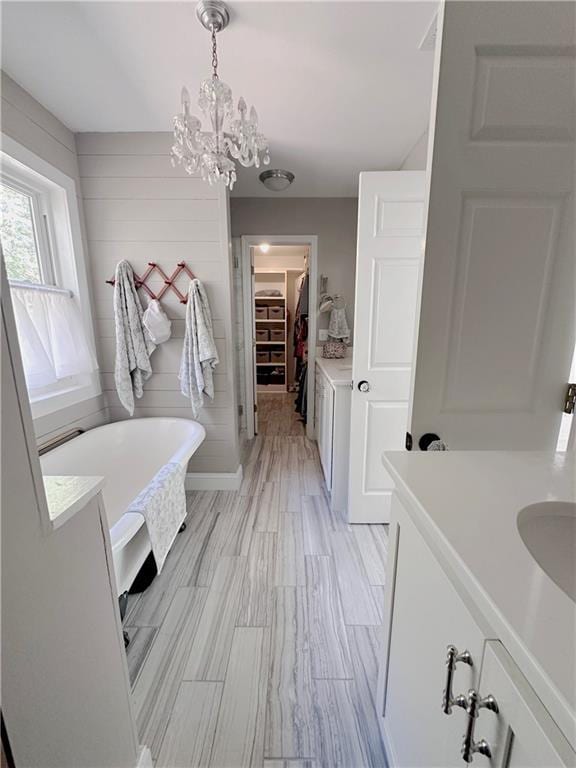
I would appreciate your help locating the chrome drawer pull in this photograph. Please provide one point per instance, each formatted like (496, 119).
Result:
(448, 699)
(474, 704)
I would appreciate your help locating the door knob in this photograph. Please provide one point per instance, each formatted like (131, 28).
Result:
(363, 386)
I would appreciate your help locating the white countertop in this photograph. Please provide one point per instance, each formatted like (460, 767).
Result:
(68, 494)
(338, 372)
(467, 503)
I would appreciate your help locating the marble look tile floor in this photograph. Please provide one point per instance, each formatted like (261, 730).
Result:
(257, 645)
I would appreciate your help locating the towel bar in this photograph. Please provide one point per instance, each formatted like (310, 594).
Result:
(60, 439)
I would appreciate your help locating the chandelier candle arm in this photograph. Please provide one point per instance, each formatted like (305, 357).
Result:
(211, 152)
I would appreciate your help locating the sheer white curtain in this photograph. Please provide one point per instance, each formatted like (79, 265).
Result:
(52, 339)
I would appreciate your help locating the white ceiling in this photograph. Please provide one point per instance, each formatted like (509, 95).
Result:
(340, 87)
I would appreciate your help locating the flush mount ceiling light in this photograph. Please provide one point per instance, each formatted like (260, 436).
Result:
(276, 179)
(264, 247)
(211, 152)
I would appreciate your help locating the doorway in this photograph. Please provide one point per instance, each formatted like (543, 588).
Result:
(279, 279)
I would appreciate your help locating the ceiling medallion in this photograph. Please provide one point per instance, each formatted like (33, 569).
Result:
(232, 137)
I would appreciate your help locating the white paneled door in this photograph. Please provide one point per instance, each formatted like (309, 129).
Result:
(497, 318)
(390, 231)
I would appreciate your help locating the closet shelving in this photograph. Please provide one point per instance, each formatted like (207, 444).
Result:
(271, 353)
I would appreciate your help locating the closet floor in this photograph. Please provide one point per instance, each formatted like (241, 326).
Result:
(276, 415)
(257, 644)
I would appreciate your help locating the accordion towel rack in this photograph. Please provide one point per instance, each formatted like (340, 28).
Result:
(169, 280)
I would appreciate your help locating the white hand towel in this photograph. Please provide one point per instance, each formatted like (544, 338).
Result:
(338, 326)
(133, 346)
(199, 353)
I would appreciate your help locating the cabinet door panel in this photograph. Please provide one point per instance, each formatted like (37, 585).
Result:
(328, 419)
(427, 616)
(318, 410)
(324, 424)
(522, 734)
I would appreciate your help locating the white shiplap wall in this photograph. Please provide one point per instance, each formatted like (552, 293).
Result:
(26, 121)
(139, 208)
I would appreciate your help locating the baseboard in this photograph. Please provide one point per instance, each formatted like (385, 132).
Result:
(214, 481)
(145, 758)
(373, 515)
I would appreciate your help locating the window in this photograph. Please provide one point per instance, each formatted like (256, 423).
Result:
(44, 261)
(18, 230)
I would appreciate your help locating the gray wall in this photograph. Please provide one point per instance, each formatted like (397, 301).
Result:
(30, 124)
(139, 208)
(332, 219)
(415, 160)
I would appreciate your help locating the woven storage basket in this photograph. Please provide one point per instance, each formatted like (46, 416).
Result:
(334, 349)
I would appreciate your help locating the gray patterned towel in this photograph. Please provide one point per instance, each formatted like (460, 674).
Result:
(163, 505)
(133, 346)
(199, 353)
(338, 326)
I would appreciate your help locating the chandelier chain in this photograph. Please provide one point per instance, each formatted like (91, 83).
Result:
(234, 137)
(214, 54)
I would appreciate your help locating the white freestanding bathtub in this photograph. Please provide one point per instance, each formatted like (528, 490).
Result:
(128, 454)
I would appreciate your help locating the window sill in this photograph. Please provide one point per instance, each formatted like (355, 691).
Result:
(85, 388)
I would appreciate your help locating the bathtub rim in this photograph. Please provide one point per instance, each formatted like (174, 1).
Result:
(177, 456)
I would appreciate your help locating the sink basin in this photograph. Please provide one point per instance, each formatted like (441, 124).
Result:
(548, 529)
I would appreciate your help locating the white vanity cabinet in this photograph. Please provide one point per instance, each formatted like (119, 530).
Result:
(452, 580)
(332, 414)
(426, 615)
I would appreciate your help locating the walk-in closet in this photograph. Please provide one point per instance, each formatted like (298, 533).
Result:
(280, 316)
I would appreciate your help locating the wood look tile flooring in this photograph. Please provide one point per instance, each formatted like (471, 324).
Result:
(257, 645)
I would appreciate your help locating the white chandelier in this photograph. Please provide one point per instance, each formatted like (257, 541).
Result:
(211, 152)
